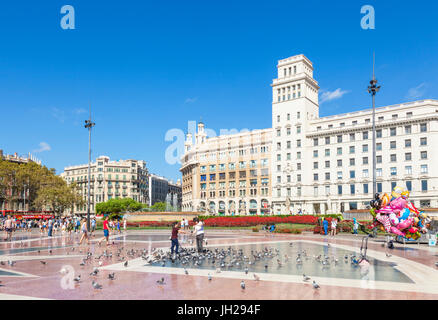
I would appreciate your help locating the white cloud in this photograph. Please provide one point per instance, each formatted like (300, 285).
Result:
(332, 95)
(44, 146)
(417, 92)
(190, 100)
(79, 111)
(58, 114)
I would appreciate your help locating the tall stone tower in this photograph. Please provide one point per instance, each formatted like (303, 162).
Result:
(294, 104)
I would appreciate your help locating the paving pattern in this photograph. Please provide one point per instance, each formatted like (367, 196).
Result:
(45, 268)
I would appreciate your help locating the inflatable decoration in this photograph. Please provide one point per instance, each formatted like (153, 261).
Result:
(395, 214)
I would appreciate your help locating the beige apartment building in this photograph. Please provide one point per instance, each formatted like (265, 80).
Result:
(228, 174)
(110, 180)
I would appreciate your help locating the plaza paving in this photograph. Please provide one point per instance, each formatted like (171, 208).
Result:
(407, 272)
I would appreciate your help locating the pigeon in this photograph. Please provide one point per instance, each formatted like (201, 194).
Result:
(266, 267)
(242, 285)
(77, 279)
(50, 251)
(256, 277)
(95, 272)
(185, 271)
(126, 263)
(218, 270)
(100, 263)
(11, 263)
(246, 270)
(43, 262)
(209, 277)
(305, 278)
(436, 264)
(96, 285)
(39, 251)
(161, 281)
(82, 263)
(315, 285)
(2, 263)
(388, 255)
(111, 276)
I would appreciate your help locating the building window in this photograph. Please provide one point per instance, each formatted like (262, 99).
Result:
(339, 161)
(378, 172)
(352, 189)
(278, 117)
(408, 156)
(365, 173)
(339, 151)
(423, 155)
(379, 133)
(408, 129)
(327, 176)
(379, 147)
(352, 174)
(339, 175)
(379, 187)
(315, 142)
(365, 188)
(339, 189)
(393, 158)
(278, 133)
(352, 162)
(288, 131)
(352, 137)
(424, 169)
(408, 170)
(327, 140)
(339, 139)
(392, 145)
(327, 164)
(298, 143)
(327, 152)
(315, 165)
(365, 160)
(379, 159)
(315, 153)
(365, 135)
(409, 185)
(352, 149)
(393, 171)
(392, 132)
(423, 141)
(365, 148)
(423, 127)
(423, 185)
(315, 177)
(408, 143)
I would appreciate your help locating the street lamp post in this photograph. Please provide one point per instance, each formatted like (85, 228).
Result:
(89, 124)
(373, 89)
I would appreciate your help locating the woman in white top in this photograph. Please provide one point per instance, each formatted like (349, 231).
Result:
(334, 224)
(199, 231)
(84, 231)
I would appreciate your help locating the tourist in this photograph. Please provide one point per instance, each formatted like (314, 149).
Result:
(93, 226)
(118, 226)
(333, 226)
(325, 225)
(183, 223)
(9, 228)
(199, 232)
(105, 231)
(50, 227)
(84, 232)
(174, 238)
(355, 226)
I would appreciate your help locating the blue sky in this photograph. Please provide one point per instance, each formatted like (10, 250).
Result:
(147, 67)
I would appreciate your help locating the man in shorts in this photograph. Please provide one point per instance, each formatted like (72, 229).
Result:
(105, 231)
(9, 226)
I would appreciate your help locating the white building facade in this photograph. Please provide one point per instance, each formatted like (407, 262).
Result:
(324, 164)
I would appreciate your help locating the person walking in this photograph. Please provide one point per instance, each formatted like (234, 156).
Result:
(355, 226)
(93, 226)
(325, 225)
(9, 228)
(333, 226)
(50, 227)
(124, 224)
(84, 232)
(199, 232)
(105, 231)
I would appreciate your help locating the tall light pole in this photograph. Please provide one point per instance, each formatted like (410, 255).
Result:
(89, 124)
(373, 89)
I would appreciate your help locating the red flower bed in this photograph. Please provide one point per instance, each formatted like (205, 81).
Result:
(258, 220)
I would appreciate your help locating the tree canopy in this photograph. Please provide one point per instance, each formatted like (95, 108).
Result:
(118, 206)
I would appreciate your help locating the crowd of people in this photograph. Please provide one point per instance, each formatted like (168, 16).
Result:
(57, 226)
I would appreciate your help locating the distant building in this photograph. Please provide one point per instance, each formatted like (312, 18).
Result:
(164, 190)
(110, 180)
